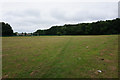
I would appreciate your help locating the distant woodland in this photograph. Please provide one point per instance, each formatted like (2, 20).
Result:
(95, 28)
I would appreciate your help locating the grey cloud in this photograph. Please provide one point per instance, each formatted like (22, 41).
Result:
(26, 17)
(95, 11)
(22, 13)
(30, 19)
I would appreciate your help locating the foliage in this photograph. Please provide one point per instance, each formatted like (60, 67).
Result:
(6, 29)
(95, 28)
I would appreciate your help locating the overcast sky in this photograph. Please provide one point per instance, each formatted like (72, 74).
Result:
(30, 15)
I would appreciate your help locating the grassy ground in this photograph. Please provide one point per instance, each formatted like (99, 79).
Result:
(60, 57)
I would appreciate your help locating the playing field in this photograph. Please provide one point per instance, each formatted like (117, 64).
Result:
(60, 57)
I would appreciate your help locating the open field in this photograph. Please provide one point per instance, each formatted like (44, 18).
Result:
(60, 57)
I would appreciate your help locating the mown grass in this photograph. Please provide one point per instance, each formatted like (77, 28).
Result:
(60, 57)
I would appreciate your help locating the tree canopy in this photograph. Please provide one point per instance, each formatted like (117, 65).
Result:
(95, 28)
(6, 29)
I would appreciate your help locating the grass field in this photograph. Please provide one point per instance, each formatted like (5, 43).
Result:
(60, 57)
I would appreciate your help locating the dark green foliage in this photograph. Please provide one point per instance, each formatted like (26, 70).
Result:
(95, 28)
(6, 29)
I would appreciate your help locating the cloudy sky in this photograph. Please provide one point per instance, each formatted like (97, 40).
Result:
(30, 15)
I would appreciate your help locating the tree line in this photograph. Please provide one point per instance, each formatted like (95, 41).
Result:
(95, 28)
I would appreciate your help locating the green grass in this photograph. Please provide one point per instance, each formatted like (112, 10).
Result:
(60, 57)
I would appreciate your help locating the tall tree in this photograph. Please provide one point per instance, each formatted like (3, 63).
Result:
(6, 29)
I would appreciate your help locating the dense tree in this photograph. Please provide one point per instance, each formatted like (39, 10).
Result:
(6, 29)
(95, 28)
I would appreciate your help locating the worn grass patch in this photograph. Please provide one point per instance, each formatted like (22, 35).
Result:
(60, 57)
